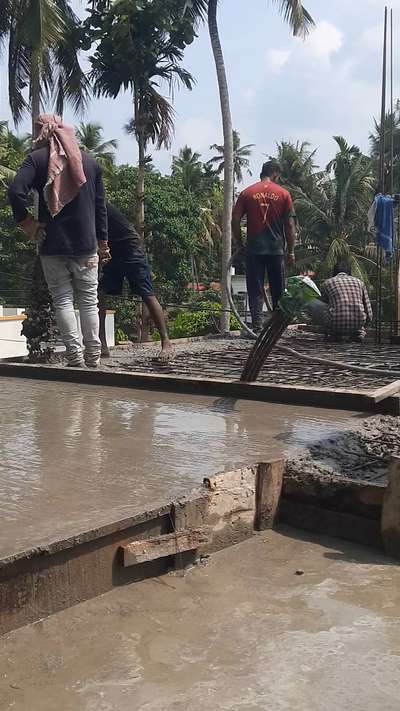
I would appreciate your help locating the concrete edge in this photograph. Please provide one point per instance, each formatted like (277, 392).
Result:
(359, 400)
(188, 339)
(40, 582)
(231, 506)
(63, 544)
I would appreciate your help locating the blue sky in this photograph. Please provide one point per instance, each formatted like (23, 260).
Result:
(281, 88)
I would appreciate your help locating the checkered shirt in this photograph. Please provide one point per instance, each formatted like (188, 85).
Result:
(349, 304)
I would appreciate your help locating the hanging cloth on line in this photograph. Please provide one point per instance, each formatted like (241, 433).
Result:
(381, 222)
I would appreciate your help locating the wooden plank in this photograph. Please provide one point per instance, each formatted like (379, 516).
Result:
(149, 549)
(330, 523)
(386, 391)
(269, 483)
(359, 400)
(334, 493)
(390, 521)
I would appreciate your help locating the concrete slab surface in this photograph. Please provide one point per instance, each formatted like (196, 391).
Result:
(243, 632)
(226, 357)
(73, 456)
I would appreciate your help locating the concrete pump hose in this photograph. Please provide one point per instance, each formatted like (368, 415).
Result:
(296, 354)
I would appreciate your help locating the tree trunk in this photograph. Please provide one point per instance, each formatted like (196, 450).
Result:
(39, 325)
(141, 140)
(35, 101)
(35, 111)
(143, 314)
(228, 160)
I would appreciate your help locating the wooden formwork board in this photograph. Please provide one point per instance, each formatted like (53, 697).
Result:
(360, 400)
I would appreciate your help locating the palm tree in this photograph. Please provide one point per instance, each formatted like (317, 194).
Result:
(297, 165)
(19, 144)
(90, 139)
(392, 123)
(141, 46)
(333, 210)
(188, 167)
(300, 22)
(241, 156)
(43, 55)
(228, 160)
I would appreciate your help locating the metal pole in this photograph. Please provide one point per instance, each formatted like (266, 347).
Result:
(382, 183)
(397, 278)
(382, 180)
(392, 281)
(391, 108)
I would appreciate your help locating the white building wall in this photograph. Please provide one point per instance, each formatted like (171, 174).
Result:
(13, 344)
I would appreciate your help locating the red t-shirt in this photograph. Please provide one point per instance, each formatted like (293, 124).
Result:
(268, 207)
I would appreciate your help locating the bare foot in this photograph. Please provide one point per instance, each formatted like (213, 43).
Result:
(167, 353)
(105, 353)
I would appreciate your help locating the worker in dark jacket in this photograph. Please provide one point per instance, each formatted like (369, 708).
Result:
(71, 230)
(128, 261)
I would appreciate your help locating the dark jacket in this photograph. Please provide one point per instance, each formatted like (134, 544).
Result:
(79, 226)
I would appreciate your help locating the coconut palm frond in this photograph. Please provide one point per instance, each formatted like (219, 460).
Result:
(296, 16)
(90, 137)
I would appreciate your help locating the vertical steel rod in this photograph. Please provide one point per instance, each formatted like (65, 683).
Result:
(392, 282)
(391, 108)
(382, 184)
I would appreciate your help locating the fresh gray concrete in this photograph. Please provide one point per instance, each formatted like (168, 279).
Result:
(73, 457)
(242, 632)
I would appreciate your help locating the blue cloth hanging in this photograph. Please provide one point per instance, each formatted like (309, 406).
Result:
(384, 223)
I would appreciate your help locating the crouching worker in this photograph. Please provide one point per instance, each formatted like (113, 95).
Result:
(128, 261)
(345, 308)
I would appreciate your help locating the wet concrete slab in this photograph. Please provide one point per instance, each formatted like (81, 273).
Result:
(76, 456)
(243, 632)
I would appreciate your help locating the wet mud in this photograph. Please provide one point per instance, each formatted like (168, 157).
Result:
(363, 454)
(277, 623)
(73, 457)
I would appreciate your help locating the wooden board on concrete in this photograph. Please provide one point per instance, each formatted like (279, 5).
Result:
(331, 523)
(268, 492)
(359, 400)
(386, 391)
(390, 522)
(143, 551)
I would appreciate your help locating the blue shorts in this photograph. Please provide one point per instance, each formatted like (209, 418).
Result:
(135, 270)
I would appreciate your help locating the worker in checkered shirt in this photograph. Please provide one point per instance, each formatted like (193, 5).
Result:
(347, 305)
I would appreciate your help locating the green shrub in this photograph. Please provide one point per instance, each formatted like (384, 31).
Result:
(202, 322)
(125, 316)
(120, 335)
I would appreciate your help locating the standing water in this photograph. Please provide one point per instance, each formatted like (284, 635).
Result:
(75, 456)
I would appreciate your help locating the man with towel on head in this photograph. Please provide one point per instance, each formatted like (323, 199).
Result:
(71, 230)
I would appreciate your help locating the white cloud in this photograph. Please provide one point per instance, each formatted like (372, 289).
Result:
(276, 59)
(372, 38)
(325, 40)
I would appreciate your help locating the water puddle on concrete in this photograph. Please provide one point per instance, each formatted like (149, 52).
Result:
(75, 456)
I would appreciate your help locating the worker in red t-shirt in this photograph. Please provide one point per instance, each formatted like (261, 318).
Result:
(270, 228)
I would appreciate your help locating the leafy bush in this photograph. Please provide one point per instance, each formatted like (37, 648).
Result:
(202, 322)
(120, 336)
(125, 316)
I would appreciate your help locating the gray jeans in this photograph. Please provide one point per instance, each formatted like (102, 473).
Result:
(69, 278)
